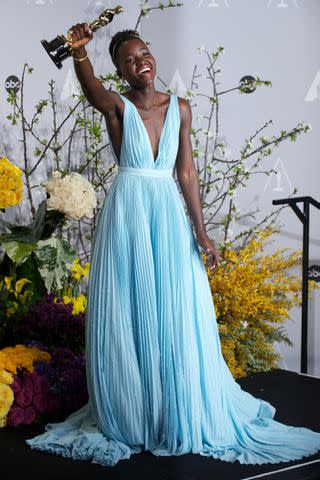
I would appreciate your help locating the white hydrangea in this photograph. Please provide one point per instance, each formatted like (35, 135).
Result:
(72, 195)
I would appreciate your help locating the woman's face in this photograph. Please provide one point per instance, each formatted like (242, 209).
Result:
(133, 57)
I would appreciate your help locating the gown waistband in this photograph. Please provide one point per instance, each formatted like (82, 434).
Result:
(153, 172)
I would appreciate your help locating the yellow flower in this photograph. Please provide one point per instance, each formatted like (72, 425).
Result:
(8, 282)
(20, 284)
(4, 408)
(6, 394)
(11, 184)
(16, 291)
(6, 377)
(3, 421)
(11, 310)
(251, 292)
(78, 271)
(20, 356)
(86, 269)
(79, 303)
(66, 299)
(6, 399)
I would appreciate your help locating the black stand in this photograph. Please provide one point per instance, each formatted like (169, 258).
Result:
(305, 219)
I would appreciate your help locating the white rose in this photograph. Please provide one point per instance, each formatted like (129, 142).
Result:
(72, 195)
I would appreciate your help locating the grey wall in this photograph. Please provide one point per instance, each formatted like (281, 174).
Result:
(276, 40)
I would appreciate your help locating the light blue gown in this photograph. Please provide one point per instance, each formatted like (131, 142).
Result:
(156, 376)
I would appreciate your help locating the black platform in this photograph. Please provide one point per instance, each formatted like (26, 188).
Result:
(296, 398)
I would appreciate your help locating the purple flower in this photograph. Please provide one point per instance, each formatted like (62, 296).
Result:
(29, 415)
(63, 355)
(40, 402)
(16, 384)
(52, 322)
(37, 344)
(24, 397)
(71, 379)
(15, 416)
(27, 382)
(45, 368)
(80, 362)
(53, 388)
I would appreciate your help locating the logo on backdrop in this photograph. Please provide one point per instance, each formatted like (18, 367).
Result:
(12, 83)
(314, 273)
(280, 178)
(282, 3)
(97, 3)
(40, 3)
(71, 86)
(213, 3)
(177, 83)
(314, 90)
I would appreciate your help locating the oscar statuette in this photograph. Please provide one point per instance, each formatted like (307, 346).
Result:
(60, 47)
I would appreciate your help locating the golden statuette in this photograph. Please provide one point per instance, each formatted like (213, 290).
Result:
(60, 47)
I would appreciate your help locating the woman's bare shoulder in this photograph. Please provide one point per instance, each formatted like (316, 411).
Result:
(184, 108)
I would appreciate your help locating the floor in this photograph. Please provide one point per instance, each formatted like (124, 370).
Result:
(295, 396)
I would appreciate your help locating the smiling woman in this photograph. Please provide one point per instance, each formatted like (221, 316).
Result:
(157, 379)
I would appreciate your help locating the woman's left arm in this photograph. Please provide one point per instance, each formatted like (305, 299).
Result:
(189, 182)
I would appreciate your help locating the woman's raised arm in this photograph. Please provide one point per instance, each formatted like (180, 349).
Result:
(94, 91)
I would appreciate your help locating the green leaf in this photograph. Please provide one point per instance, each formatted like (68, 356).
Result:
(54, 258)
(29, 269)
(18, 252)
(26, 233)
(39, 221)
(19, 233)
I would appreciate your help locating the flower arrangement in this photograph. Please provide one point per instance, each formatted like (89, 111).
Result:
(52, 322)
(11, 184)
(30, 399)
(20, 356)
(71, 194)
(36, 385)
(33, 245)
(17, 296)
(6, 396)
(40, 381)
(251, 290)
(16, 396)
(66, 374)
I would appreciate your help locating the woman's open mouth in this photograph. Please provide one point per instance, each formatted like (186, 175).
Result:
(144, 72)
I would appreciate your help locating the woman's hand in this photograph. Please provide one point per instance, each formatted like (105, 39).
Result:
(79, 35)
(209, 247)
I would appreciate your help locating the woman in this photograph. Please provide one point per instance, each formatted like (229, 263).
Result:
(156, 376)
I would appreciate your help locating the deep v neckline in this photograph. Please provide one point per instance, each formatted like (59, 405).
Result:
(145, 129)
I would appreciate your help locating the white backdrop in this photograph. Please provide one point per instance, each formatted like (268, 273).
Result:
(276, 40)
